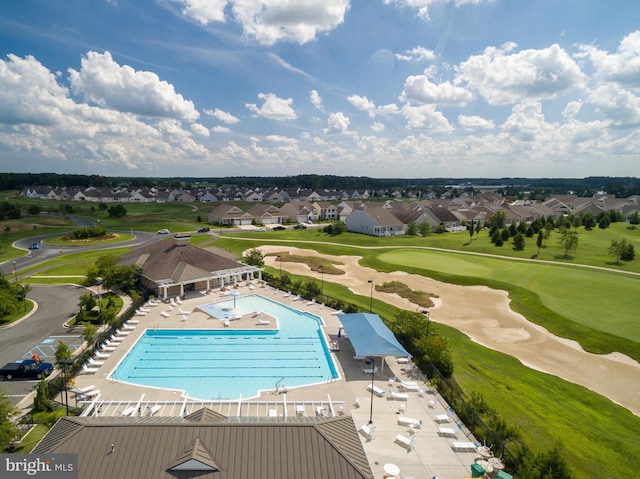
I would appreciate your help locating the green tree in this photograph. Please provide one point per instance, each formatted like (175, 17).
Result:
(634, 218)
(117, 211)
(34, 210)
(63, 353)
(87, 301)
(499, 218)
(568, 241)
(254, 257)
(539, 240)
(338, 227)
(618, 249)
(412, 229)
(312, 288)
(518, 242)
(41, 401)
(9, 431)
(478, 228)
(471, 230)
(89, 333)
(424, 228)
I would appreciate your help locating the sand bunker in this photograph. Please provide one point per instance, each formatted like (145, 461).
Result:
(485, 316)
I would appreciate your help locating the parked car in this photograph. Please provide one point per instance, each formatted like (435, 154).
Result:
(28, 369)
(300, 226)
(260, 229)
(34, 246)
(279, 228)
(163, 231)
(204, 230)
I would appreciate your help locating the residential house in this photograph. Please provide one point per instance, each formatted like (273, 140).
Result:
(375, 222)
(266, 214)
(227, 215)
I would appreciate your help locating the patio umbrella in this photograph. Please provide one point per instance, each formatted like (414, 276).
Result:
(235, 294)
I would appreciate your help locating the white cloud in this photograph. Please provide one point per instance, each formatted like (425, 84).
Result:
(622, 67)
(315, 99)
(270, 21)
(572, 109)
(378, 127)
(503, 78)
(273, 108)
(425, 117)
(419, 88)
(475, 123)
(622, 107)
(280, 139)
(47, 123)
(223, 116)
(338, 123)
(363, 103)
(416, 54)
(204, 11)
(102, 81)
(199, 129)
(220, 129)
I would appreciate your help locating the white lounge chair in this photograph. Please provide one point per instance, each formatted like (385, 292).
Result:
(133, 321)
(335, 313)
(404, 441)
(369, 432)
(407, 421)
(106, 348)
(154, 409)
(166, 314)
(447, 432)
(85, 389)
(141, 309)
(178, 300)
(102, 355)
(130, 411)
(312, 302)
(185, 317)
(226, 322)
(398, 396)
(116, 339)
(263, 321)
(376, 390)
(464, 446)
(182, 311)
(91, 393)
(296, 298)
(300, 410)
(373, 370)
(88, 370)
(121, 333)
(320, 411)
(441, 418)
(173, 303)
(93, 362)
(140, 313)
(273, 413)
(109, 344)
(128, 327)
(409, 386)
(403, 360)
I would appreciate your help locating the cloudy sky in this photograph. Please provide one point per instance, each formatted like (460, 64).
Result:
(380, 88)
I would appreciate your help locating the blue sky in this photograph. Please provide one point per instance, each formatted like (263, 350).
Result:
(380, 88)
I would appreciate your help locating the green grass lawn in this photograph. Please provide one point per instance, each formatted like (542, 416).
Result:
(613, 303)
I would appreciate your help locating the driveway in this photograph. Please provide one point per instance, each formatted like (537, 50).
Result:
(41, 332)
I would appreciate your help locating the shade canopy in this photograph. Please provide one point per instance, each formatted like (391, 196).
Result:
(369, 336)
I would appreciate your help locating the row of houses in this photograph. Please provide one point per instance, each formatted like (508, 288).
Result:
(391, 217)
(203, 195)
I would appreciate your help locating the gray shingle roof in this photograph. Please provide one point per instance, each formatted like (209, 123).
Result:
(218, 448)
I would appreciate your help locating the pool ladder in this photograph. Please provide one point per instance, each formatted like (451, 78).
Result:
(280, 387)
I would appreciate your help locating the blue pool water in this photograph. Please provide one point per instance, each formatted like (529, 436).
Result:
(227, 364)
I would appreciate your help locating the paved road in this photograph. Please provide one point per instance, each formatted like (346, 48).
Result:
(40, 332)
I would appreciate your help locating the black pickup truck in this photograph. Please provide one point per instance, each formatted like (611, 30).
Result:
(28, 369)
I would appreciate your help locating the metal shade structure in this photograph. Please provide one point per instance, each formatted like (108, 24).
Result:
(370, 337)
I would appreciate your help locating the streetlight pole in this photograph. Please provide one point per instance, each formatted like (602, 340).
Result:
(15, 272)
(371, 296)
(98, 283)
(321, 280)
(373, 373)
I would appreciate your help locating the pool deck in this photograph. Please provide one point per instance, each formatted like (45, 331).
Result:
(431, 453)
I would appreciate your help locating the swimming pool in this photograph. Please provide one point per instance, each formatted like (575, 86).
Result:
(228, 364)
